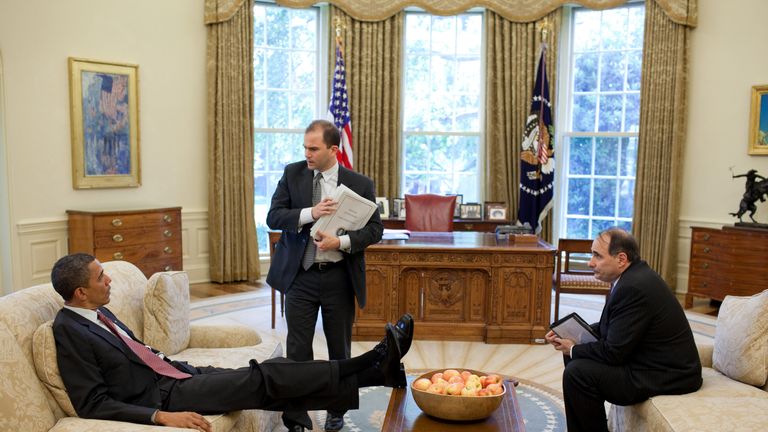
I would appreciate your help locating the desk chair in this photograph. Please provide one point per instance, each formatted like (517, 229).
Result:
(274, 237)
(429, 212)
(575, 280)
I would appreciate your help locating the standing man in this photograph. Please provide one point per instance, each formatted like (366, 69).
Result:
(325, 273)
(645, 345)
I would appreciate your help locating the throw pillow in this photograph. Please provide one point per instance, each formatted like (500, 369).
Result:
(741, 339)
(166, 312)
(47, 368)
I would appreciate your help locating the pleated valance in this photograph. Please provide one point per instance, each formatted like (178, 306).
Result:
(218, 11)
(679, 11)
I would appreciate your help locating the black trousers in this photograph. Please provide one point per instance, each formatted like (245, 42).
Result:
(329, 292)
(276, 385)
(587, 385)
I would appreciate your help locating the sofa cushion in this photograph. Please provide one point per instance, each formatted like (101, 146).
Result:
(741, 339)
(166, 312)
(47, 368)
(23, 406)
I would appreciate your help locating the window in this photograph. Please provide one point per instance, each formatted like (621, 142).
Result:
(442, 105)
(602, 118)
(287, 98)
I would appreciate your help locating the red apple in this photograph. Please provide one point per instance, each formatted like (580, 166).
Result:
(422, 384)
(436, 388)
(493, 378)
(436, 377)
(465, 375)
(483, 392)
(469, 391)
(495, 388)
(454, 389)
(455, 379)
(484, 381)
(448, 373)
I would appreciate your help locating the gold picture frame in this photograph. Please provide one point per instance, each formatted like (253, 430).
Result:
(758, 121)
(104, 115)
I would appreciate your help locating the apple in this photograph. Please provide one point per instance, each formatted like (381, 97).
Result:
(454, 389)
(448, 373)
(484, 381)
(436, 377)
(494, 379)
(469, 391)
(495, 388)
(455, 379)
(465, 375)
(483, 392)
(422, 384)
(436, 388)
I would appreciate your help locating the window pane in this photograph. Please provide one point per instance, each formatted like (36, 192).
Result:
(303, 70)
(417, 149)
(303, 29)
(634, 68)
(606, 156)
(416, 184)
(610, 113)
(628, 164)
(278, 62)
(613, 30)
(626, 198)
(277, 27)
(586, 35)
(584, 109)
(578, 196)
(632, 113)
(577, 228)
(604, 203)
(277, 113)
(612, 68)
(580, 156)
(585, 72)
(635, 27)
(302, 109)
(599, 225)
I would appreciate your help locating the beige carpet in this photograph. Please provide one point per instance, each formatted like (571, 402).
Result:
(534, 363)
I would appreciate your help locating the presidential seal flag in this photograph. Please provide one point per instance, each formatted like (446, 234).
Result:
(338, 109)
(537, 162)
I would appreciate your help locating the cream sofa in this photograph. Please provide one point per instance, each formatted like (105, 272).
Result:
(734, 395)
(32, 396)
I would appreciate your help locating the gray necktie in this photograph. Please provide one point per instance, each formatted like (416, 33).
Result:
(317, 194)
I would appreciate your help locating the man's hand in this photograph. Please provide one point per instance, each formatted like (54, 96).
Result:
(326, 242)
(324, 207)
(562, 345)
(186, 419)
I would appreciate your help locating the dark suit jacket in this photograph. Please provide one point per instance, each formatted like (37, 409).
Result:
(643, 327)
(293, 193)
(103, 377)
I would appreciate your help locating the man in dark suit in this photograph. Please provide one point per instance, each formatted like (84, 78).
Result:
(325, 273)
(111, 375)
(645, 345)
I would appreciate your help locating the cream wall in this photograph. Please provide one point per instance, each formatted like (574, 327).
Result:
(727, 59)
(167, 40)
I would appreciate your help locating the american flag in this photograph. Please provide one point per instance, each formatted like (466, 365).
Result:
(537, 162)
(338, 109)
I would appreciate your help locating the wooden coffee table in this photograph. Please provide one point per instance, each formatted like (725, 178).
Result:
(404, 415)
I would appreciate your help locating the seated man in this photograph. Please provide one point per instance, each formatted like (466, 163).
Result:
(111, 375)
(645, 345)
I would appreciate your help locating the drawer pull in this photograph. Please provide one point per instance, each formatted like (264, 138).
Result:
(117, 238)
(117, 222)
(117, 255)
(706, 237)
(707, 250)
(469, 227)
(168, 268)
(167, 218)
(167, 233)
(167, 250)
(705, 265)
(705, 284)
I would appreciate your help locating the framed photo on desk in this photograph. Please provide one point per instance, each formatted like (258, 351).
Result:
(471, 211)
(383, 204)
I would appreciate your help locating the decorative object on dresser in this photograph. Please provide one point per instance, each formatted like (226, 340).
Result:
(150, 239)
(727, 261)
(754, 190)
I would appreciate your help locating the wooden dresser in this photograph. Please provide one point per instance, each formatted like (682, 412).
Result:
(150, 239)
(727, 261)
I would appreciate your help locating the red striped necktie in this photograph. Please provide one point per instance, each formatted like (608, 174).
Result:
(145, 354)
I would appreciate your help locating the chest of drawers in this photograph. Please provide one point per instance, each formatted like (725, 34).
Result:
(150, 239)
(727, 261)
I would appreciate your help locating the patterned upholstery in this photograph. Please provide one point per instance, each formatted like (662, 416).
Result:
(32, 395)
(722, 403)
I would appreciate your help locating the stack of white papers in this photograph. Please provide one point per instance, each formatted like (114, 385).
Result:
(396, 234)
(352, 213)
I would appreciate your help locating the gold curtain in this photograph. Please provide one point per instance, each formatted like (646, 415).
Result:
(661, 138)
(680, 11)
(234, 253)
(373, 55)
(512, 54)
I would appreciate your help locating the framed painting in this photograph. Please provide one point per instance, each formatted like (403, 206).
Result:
(758, 121)
(104, 114)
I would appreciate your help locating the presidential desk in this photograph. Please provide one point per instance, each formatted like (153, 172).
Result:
(459, 286)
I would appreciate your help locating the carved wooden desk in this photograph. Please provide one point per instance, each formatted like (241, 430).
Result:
(458, 286)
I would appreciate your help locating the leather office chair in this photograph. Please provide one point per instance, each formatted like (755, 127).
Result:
(575, 280)
(428, 212)
(274, 237)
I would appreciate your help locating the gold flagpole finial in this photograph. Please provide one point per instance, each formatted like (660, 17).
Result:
(544, 26)
(338, 26)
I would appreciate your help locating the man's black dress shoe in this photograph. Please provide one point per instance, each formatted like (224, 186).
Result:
(296, 428)
(334, 422)
(405, 326)
(391, 368)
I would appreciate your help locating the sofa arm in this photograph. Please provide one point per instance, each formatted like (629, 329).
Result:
(705, 354)
(222, 336)
(75, 424)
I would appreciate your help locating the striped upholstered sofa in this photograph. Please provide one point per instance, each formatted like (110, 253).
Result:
(734, 396)
(32, 396)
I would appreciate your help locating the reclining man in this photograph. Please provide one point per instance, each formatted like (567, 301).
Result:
(111, 375)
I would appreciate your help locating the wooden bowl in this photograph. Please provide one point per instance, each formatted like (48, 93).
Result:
(449, 407)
